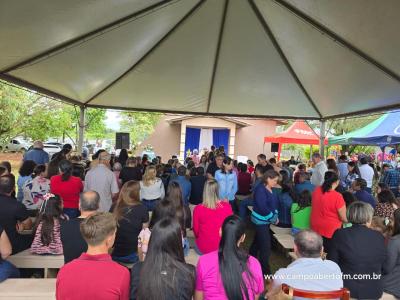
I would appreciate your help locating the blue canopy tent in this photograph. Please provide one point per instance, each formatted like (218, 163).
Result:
(382, 132)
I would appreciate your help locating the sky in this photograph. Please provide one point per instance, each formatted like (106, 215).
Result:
(113, 119)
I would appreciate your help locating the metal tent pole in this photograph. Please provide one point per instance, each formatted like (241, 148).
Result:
(81, 134)
(322, 138)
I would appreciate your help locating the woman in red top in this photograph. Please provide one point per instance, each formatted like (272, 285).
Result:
(328, 209)
(68, 187)
(208, 218)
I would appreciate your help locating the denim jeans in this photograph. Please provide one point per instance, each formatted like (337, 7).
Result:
(150, 204)
(129, 259)
(8, 270)
(196, 249)
(261, 247)
(186, 247)
(243, 204)
(72, 213)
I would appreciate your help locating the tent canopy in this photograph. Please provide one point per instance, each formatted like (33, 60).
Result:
(382, 132)
(309, 59)
(298, 133)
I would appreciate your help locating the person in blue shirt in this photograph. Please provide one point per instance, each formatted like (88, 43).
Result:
(37, 154)
(227, 181)
(185, 184)
(392, 178)
(265, 212)
(304, 184)
(361, 194)
(286, 198)
(25, 174)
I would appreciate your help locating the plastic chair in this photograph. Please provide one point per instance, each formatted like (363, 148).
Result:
(292, 292)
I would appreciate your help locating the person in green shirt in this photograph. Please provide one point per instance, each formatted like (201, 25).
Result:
(300, 212)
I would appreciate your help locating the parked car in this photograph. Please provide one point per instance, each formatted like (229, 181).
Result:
(15, 145)
(51, 149)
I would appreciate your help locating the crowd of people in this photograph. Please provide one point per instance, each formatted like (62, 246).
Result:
(108, 211)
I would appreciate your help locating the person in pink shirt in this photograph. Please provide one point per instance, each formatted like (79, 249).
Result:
(208, 218)
(229, 273)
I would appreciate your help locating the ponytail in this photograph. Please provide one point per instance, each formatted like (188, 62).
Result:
(329, 179)
(66, 169)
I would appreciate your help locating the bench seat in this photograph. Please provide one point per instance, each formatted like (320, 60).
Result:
(285, 240)
(28, 289)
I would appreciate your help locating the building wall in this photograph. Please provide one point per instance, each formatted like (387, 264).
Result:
(165, 140)
(250, 140)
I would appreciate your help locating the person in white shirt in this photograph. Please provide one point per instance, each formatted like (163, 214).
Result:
(151, 188)
(367, 173)
(320, 168)
(308, 272)
(102, 180)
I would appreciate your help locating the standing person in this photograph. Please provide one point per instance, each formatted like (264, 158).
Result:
(244, 180)
(71, 238)
(68, 187)
(262, 160)
(320, 168)
(37, 154)
(102, 180)
(367, 173)
(215, 166)
(25, 174)
(392, 178)
(164, 274)
(7, 269)
(108, 279)
(328, 209)
(352, 174)
(303, 183)
(14, 217)
(132, 216)
(343, 169)
(208, 218)
(391, 267)
(151, 188)
(301, 212)
(359, 250)
(35, 189)
(203, 162)
(47, 238)
(227, 181)
(195, 157)
(198, 182)
(331, 165)
(185, 184)
(359, 185)
(265, 212)
(130, 171)
(123, 157)
(387, 204)
(229, 273)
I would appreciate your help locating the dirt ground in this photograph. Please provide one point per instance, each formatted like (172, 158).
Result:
(14, 158)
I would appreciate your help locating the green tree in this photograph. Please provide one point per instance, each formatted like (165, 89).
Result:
(139, 125)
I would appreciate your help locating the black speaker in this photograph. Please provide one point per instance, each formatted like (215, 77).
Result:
(122, 140)
(274, 147)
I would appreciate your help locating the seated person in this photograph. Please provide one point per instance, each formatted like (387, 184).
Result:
(359, 186)
(301, 212)
(197, 181)
(387, 204)
(7, 270)
(304, 271)
(14, 217)
(71, 238)
(47, 230)
(286, 197)
(170, 277)
(34, 190)
(304, 183)
(94, 275)
(131, 171)
(225, 273)
(132, 216)
(185, 184)
(244, 180)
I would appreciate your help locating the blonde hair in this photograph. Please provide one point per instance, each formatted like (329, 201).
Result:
(96, 228)
(129, 196)
(210, 194)
(149, 176)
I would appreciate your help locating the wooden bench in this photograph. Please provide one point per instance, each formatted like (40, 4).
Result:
(279, 230)
(27, 260)
(28, 289)
(285, 240)
(292, 255)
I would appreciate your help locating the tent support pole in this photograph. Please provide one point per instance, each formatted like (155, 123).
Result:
(322, 138)
(311, 152)
(81, 129)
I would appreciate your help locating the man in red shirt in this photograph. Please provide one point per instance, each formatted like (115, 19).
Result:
(94, 275)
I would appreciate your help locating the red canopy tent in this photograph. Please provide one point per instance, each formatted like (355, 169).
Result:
(298, 133)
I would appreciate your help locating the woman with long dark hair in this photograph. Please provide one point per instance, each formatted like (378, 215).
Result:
(35, 189)
(227, 181)
(123, 157)
(391, 267)
(25, 174)
(47, 238)
(164, 274)
(132, 216)
(353, 174)
(68, 187)
(240, 274)
(328, 209)
(286, 196)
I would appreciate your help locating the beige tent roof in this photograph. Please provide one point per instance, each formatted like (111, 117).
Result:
(269, 58)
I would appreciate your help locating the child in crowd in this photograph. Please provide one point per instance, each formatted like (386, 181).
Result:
(35, 189)
(47, 238)
(300, 212)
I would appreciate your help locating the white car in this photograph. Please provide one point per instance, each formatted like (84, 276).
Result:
(51, 149)
(16, 145)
